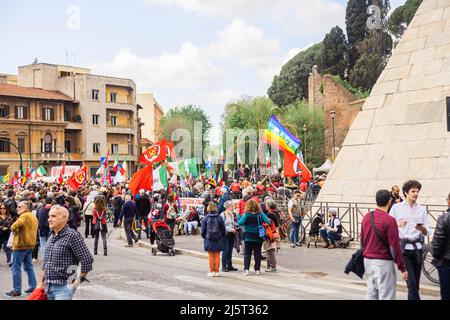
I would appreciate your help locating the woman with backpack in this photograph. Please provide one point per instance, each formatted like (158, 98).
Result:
(88, 207)
(254, 234)
(213, 231)
(99, 223)
(74, 213)
(272, 243)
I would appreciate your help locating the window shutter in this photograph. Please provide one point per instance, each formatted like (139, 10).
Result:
(52, 114)
(25, 114)
(16, 115)
(6, 110)
(43, 114)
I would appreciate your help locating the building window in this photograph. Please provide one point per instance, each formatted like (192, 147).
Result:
(47, 143)
(96, 148)
(21, 144)
(114, 149)
(95, 118)
(94, 94)
(130, 150)
(67, 116)
(114, 121)
(67, 146)
(21, 112)
(48, 114)
(113, 96)
(4, 111)
(4, 145)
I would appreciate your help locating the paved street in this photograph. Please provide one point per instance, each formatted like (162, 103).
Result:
(133, 273)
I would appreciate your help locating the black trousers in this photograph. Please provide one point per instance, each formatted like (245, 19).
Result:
(414, 267)
(89, 227)
(130, 233)
(116, 219)
(255, 248)
(139, 224)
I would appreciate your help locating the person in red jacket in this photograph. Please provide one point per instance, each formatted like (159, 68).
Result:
(381, 253)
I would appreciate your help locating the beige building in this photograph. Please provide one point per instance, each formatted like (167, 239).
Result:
(8, 79)
(38, 124)
(150, 115)
(107, 110)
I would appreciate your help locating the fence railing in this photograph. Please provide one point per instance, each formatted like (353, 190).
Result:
(351, 214)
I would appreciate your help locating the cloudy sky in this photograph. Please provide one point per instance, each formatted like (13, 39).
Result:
(202, 52)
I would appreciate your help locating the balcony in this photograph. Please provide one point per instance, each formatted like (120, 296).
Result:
(74, 122)
(121, 106)
(121, 130)
(57, 156)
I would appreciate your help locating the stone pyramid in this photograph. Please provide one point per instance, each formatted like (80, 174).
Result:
(401, 132)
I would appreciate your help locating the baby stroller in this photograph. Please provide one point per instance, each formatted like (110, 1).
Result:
(160, 231)
(315, 228)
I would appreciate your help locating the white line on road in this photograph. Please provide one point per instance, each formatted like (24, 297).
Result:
(174, 290)
(115, 294)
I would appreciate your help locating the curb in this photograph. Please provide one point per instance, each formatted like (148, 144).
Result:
(425, 290)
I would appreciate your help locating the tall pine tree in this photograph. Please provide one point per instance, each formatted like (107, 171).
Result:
(355, 20)
(334, 54)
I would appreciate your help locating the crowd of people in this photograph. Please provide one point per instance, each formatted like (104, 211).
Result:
(240, 215)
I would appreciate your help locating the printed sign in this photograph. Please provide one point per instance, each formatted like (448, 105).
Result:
(55, 172)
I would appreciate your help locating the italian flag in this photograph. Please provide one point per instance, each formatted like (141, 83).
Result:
(220, 178)
(160, 178)
(41, 171)
(116, 164)
(123, 168)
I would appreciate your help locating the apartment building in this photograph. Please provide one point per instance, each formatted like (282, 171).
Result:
(151, 115)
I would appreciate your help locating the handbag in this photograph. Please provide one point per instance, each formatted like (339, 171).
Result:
(38, 294)
(10, 242)
(261, 229)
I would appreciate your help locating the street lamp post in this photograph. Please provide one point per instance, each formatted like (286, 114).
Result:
(18, 151)
(305, 128)
(333, 116)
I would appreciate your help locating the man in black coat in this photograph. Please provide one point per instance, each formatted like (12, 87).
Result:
(143, 208)
(441, 251)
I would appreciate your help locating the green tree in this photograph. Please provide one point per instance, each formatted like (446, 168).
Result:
(185, 117)
(402, 16)
(291, 84)
(334, 60)
(355, 21)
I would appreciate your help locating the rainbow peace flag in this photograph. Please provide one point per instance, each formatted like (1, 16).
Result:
(277, 135)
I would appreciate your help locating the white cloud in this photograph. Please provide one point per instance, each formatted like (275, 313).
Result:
(244, 43)
(188, 68)
(314, 17)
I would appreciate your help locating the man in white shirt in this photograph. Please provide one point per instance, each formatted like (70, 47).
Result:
(413, 225)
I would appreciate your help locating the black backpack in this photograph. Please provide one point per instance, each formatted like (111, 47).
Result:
(213, 228)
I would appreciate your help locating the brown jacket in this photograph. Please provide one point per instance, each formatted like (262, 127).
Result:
(25, 231)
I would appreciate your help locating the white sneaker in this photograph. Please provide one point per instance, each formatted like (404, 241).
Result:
(210, 274)
(245, 273)
(258, 273)
(216, 274)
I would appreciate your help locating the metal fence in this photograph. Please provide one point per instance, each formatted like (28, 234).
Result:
(351, 214)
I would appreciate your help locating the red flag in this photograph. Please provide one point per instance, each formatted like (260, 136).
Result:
(143, 179)
(294, 166)
(156, 153)
(61, 175)
(170, 150)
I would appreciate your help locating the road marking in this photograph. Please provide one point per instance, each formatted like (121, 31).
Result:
(116, 294)
(174, 290)
(218, 284)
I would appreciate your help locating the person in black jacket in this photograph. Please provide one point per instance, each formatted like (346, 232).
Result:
(143, 208)
(118, 202)
(74, 213)
(128, 213)
(11, 204)
(441, 251)
(43, 227)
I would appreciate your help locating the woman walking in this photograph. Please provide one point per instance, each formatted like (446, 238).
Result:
(88, 208)
(272, 245)
(6, 221)
(252, 220)
(213, 231)
(74, 213)
(99, 223)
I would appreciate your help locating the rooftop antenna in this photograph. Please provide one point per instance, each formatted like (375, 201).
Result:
(35, 61)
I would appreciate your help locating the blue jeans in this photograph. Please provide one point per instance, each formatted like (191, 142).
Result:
(22, 257)
(57, 292)
(444, 280)
(43, 241)
(330, 236)
(293, 232)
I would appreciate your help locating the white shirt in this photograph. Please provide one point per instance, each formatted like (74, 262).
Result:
(413, 216)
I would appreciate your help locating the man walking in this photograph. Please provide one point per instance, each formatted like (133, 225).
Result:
(441, 251)
(44, 229)
(295, 213)
(65, 250)
(381, 250)
(413, 224)
(143, 207)
(25, 231)
(128, 213)
(395, 196)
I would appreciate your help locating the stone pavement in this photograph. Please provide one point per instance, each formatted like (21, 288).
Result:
(315, 261)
